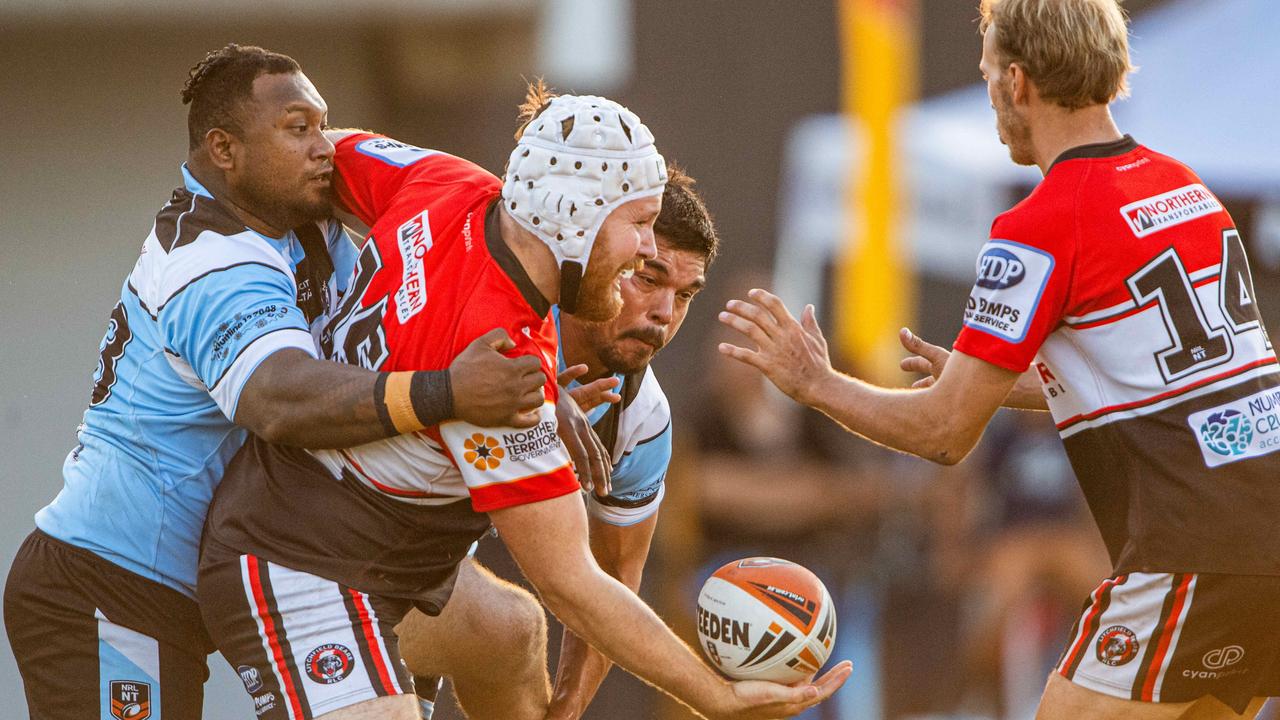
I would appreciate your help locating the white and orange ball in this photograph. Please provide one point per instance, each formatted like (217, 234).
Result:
(766, 619)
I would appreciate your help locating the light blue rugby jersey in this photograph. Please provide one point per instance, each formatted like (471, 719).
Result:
(208, 300)
(641, 452)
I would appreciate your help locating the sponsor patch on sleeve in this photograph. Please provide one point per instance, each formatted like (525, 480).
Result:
(391, 152)
(1011, 281)
(1238, 430)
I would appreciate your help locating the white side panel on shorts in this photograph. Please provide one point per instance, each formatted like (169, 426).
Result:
(128, 670)
(318, 627)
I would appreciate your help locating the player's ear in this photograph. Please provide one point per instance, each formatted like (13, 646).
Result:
(218, 146)
(1019, 84)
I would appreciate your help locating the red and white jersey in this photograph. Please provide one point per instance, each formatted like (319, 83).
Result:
(433, 275)
(1124, 281)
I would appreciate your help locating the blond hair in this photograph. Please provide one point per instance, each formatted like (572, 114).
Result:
(1075, 51)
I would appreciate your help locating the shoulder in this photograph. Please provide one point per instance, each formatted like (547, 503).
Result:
(192, 239)
(648, 416)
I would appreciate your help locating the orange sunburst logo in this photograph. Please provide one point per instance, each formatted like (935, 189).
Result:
(483, 452)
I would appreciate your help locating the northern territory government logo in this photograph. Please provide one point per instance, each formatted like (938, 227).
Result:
(1241, 429)
(130, 700)
(1117, 645)
(482, 452)
(330, 663)
(1175, 207)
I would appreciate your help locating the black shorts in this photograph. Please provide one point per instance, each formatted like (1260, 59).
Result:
(1175, 637)
(93, 640)
(303, 645)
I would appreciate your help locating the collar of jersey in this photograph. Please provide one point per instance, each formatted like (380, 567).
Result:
(192, 184)
(598, 411)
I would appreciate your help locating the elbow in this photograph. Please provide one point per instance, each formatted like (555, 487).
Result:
(275, 428)
(949, 444)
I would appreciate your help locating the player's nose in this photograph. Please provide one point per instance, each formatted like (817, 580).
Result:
(648, 244)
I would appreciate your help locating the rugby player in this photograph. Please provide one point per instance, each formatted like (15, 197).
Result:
(214, 336)
(491, 637)
(311, 559)
(1122, 283)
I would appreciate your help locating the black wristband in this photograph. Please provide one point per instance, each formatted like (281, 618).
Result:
(432, 396)
(380, 402)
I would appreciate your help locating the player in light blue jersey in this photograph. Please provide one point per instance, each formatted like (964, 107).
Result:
(491, 637)
(215, 335)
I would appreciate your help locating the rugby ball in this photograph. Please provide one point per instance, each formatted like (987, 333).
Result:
(766, 619)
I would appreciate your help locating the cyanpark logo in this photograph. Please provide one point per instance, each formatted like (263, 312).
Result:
(482, 451)
(1227, 433)
(1223, 657)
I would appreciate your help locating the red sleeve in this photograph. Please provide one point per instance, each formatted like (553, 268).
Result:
(371, 171)
(504, 467)
(1019, 297)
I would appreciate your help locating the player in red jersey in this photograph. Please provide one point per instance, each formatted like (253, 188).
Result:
(311, 558)
(1120, 292)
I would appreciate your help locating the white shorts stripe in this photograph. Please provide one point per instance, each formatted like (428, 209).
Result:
(1177, 634)
(325, 648)
(247, 583)
(379, 646)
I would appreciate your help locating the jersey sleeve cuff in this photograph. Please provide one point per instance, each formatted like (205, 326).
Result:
(963, 345)
(498, 496)
(226, 392)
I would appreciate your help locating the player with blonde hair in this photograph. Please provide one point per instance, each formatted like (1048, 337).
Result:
(1118, 297)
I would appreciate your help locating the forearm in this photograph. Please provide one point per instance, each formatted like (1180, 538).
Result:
(582, 668)
(596, 614)
(920, 422)
(294, 399)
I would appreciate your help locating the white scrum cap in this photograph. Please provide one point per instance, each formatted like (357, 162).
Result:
(576, 162)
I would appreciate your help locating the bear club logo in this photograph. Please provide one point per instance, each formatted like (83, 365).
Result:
(329, 663)
(130, 700)
(483, 452)
(1117, 645)
(1227, 433)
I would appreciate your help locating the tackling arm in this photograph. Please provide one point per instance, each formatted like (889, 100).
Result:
(295, 399)
(548, 540)
(621, 552)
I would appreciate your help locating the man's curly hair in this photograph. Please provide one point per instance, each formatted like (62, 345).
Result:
(684, 221)
(218, 86)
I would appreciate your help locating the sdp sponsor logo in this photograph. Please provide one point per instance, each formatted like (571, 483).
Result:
(999, 269)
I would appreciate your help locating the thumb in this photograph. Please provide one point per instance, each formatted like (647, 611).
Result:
(809, 319)
(498, 339)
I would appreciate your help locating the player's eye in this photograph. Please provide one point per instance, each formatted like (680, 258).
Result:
(647, 280)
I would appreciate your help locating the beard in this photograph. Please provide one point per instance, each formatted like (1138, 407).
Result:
(1014, 131)
(283, 209)
(618, 360)
(599, 298)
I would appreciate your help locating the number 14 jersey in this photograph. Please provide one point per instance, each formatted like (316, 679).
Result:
(1124, 280)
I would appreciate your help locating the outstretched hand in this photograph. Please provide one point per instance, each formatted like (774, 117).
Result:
(593, 394)
(591, 459)
(928, 360)
(792, 354)
(760, 700)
